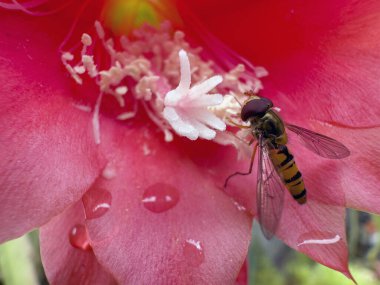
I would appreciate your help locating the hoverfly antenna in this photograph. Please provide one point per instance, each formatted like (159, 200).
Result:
(236, 99)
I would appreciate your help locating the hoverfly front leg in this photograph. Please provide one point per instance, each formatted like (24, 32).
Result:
(237, 125)
(250, 165)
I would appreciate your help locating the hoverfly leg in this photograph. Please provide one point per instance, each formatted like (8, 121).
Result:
(238, 125)
(243, 173)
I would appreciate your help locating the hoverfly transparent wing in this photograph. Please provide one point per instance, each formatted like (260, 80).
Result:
(270, 192)
(320, 144)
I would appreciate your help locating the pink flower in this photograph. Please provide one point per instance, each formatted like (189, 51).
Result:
(88, 152)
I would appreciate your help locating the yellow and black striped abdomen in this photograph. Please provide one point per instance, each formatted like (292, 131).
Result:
(287, 168)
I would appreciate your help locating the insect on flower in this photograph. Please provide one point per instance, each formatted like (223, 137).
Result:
(276, 165)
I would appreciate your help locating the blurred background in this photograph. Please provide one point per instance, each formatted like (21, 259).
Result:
(270, 262)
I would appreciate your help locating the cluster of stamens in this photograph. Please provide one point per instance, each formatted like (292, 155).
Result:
(157, 69)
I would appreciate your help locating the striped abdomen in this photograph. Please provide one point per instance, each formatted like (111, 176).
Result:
(283, 160)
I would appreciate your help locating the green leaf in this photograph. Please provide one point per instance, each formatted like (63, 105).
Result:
(17, 262)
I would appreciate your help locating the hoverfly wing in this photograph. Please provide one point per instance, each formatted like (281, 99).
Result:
(270, 193)
(320, 144)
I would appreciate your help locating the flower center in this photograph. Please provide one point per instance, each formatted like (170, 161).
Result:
(154, 69)
(122, 17)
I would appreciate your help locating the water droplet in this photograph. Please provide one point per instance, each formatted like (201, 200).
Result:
(78, 237)
(96, 202)
(109, 172)
(193, 252)
(160, 197)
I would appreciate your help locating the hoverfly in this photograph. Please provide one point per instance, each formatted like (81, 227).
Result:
(276, 165)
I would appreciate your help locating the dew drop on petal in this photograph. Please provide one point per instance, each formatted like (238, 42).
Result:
(96, 202)
(193, 252)
(78, 237)
(109, 172)
(160, 197)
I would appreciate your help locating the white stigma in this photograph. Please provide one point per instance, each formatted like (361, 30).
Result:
(186, 109)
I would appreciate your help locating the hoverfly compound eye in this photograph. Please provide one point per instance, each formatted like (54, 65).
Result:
(256, 107)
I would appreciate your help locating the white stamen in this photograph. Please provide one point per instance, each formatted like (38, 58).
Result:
(88, 63)
(321, 241)
(99, 30)
(67, 56)
(126, 116)
(261, 71)
(145, 86)
(159, 123)
(95, 119)
(121, 90)
(86, 39)
(83, 108)
(80, 69)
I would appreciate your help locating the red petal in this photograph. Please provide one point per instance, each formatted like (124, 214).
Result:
(321, 55)
(201, 237)
(47, 156)
(63, 263)
(242, 278)
(316, 221)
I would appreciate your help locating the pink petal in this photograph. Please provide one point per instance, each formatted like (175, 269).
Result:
(194, 234)
(63, 263)
(47, 156)
(322, 56)
(359, 173)
(323, 217)
(315, 222)
(219, 162)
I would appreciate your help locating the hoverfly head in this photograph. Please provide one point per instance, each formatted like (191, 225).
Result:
(255, 107)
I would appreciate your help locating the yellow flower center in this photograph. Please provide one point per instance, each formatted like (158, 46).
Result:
(124, 16)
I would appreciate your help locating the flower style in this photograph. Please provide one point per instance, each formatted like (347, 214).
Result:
(84, 155)
(186, 109)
